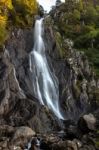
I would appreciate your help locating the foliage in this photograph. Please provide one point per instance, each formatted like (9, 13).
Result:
(6, 4)
(80, 22)
(24, 10)
(17, 13)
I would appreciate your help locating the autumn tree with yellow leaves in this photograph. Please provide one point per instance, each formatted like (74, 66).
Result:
(16, 13)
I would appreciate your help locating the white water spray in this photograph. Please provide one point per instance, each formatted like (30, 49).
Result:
(44, 81)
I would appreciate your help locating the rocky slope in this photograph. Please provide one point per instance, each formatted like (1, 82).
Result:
(78, 94)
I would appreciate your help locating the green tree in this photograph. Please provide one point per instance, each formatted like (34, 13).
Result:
(90, 15)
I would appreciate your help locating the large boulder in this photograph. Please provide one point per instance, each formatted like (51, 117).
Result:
(87, 123)
(23, 132)
(22, 136)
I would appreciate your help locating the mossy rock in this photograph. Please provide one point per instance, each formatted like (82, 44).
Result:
(59, 43)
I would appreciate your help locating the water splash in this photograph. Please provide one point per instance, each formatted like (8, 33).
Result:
(44, 81)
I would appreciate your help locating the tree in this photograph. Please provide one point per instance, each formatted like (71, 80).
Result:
(90, 14)
(26, 6)
(72, 4)
(15, 12)
(24, 11)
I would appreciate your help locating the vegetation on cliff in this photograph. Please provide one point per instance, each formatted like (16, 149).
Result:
(17, 13)
(79, 21)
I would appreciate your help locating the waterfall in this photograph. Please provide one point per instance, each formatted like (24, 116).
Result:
(45, 83)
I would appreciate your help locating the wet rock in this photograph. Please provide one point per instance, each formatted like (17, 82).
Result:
(87, 123)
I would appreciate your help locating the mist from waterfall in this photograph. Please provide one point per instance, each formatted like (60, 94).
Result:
(45, 83)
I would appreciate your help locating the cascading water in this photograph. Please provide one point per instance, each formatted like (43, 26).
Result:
(45, 83)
